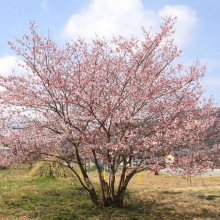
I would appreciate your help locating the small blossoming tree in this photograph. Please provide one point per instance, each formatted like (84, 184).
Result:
(114, 101)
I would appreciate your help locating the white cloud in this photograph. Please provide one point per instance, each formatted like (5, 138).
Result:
(186, 22)
(10, 65)
(109, 17)
(126, 17)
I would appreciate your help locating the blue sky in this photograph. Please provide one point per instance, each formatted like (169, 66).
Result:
(197, 29)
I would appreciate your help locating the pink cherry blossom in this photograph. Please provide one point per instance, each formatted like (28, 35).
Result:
(110, 103)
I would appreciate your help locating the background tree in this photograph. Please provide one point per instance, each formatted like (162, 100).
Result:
(107, 101)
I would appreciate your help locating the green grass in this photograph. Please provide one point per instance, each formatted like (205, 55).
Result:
(42, 198)
(24, 197)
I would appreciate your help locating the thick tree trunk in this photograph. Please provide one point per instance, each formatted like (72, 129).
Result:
(118, 201)
(94, 199)
(107, 199)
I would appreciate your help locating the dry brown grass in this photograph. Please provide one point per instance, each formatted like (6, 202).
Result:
(174, 199)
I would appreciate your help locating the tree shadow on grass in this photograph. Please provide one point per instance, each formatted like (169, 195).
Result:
(157, 209)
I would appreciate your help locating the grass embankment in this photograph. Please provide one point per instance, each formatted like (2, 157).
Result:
(156, 197)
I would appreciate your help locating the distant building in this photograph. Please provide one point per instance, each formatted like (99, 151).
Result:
(2, 147)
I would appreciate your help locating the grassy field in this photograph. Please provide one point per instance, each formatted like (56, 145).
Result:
(155, 197)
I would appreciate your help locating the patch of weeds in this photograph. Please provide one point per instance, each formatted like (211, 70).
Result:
(204, 211)
(167, 209)
(209, 197)
(53, 193)
(171, 192)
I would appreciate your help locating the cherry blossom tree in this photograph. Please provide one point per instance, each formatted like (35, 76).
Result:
(110, 102)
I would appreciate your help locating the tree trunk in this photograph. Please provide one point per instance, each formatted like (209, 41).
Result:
(107, 200)
(94, 199)
(118, 201)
